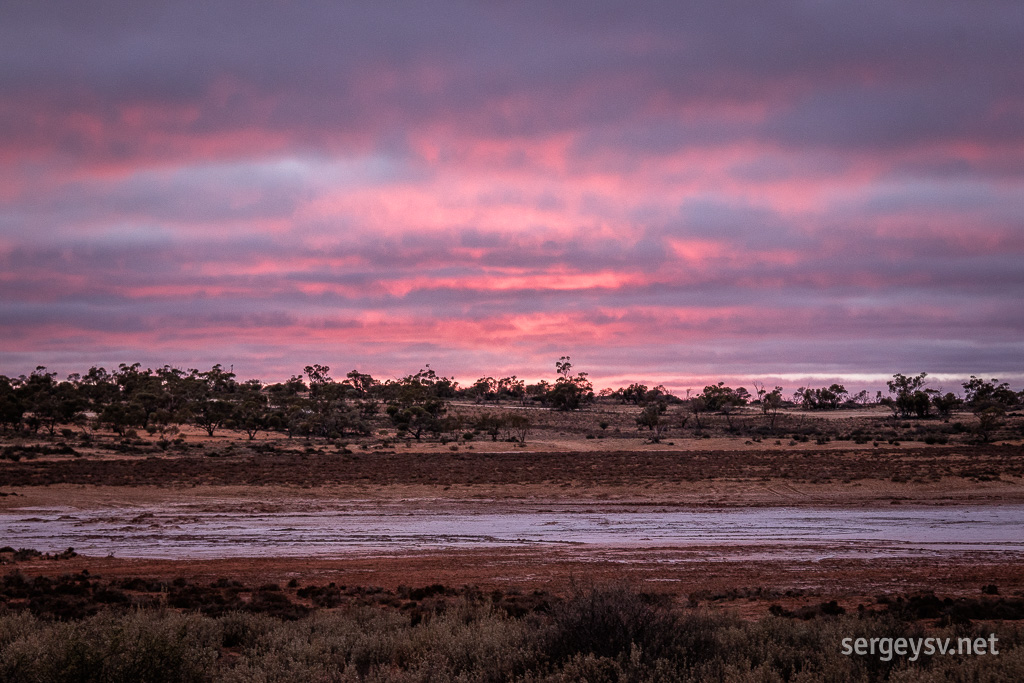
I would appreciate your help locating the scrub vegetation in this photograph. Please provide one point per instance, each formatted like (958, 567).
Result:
(593, 634)
(146, 430)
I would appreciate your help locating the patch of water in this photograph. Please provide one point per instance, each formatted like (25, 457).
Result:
(183, 531)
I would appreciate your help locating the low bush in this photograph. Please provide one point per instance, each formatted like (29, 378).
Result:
(614, 634)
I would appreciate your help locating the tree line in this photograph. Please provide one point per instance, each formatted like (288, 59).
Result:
(315, 404)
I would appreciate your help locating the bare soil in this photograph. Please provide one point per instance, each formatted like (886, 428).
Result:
(748, 587)
(723, 471)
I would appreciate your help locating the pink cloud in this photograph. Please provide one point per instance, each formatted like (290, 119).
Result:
(498, 184)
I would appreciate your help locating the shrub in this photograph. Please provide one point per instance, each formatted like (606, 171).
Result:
(144, 647)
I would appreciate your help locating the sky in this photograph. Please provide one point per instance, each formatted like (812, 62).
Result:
(666, 192)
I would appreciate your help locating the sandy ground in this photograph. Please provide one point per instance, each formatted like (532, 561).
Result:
(685, 473)
(716, 493)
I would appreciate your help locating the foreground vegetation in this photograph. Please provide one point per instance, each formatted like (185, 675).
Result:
(594, 635)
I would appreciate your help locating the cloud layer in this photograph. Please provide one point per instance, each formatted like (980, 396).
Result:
(664, 191)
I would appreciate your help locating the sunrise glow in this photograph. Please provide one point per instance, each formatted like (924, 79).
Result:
(672, 194)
